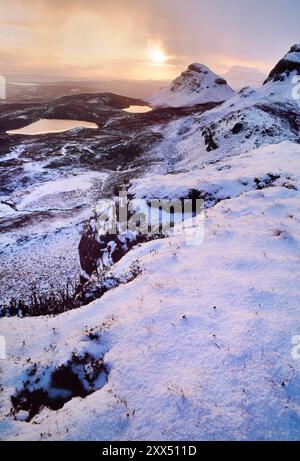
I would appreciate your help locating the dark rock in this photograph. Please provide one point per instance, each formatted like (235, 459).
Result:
(285, 66)
(220, 81)
(237, 128)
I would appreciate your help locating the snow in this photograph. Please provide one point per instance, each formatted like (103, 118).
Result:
(184, 146)
(197, 85)
(227, 178)
(199, 345)
(83, 181)
(5, 210)
(294, 54)
(45, 255)
(293, 57)
(45, 249)
(14, 153)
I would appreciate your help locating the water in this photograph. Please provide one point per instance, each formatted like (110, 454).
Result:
(23, 84)
(138, 109)
(45, 126)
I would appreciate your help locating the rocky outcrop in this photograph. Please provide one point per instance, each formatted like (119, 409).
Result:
(290, 63)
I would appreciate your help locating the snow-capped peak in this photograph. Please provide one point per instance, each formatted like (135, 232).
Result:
(196, 85)
(289, 64)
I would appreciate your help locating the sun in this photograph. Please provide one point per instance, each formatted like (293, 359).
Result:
(157, 55)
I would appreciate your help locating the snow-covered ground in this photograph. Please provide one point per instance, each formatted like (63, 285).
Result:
(191, 342)
(40, 245)
(227, 178)
(49, 193)
(199, 345)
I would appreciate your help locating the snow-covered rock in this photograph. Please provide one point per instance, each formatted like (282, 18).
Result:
(248, 120)
(289, 64)
(196, 85)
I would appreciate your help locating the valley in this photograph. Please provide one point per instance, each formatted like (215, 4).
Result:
(51, 183)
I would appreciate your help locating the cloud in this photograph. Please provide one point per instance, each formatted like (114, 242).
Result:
(105, 37)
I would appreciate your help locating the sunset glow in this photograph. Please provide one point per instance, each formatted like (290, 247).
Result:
(139, 39)
(157, 55)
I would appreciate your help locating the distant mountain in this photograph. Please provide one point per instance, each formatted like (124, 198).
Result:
(238, 77)
(20, 86)
(196, 85)
(33, 78)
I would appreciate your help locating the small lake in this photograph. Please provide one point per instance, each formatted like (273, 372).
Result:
(45, 126)
(138, 109)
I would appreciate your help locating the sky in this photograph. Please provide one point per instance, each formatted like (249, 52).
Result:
(143, 39)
